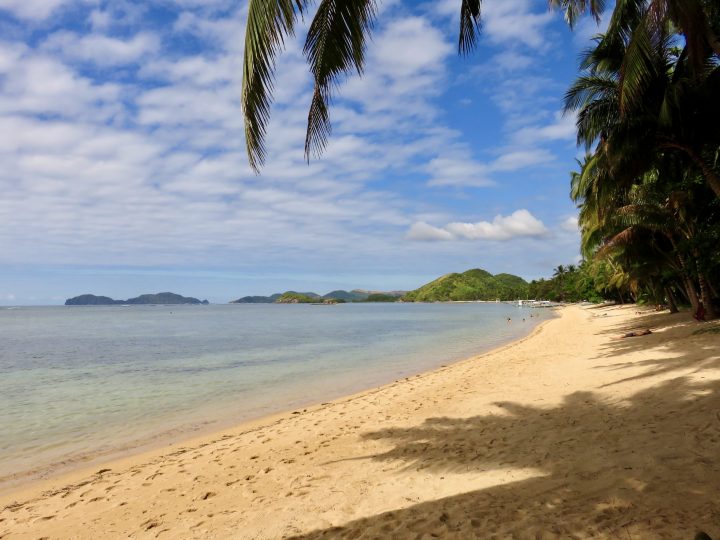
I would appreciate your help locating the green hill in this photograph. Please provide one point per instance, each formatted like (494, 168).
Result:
(475, 284)
(348, 296)
(292, 297)
(257, 299)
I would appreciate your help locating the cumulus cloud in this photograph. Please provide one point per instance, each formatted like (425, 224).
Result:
(101, 49)
(516, 22)
(562, 128)
(31, 9)
(425, 232)
(460, 169)
(520, 223)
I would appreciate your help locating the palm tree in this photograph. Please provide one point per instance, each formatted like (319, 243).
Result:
(335, 46)
(668, 107)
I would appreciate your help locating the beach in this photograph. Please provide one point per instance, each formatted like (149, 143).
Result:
(570, 432)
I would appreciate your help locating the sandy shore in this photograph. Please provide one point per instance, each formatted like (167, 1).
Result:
(568, 433)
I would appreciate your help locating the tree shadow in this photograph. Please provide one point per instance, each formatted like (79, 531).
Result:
(640, 468)
(678, 343)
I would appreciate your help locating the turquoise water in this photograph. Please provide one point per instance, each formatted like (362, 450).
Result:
(83, 381)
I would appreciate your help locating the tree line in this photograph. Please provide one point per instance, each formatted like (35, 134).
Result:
(648, 189)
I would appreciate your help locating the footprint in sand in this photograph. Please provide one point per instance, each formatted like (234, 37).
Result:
(150, 524)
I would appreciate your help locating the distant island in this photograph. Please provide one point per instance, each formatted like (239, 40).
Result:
(475, 284)
(159, 298)
(337, 296)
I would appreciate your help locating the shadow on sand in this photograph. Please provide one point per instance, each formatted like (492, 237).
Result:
(646, 467)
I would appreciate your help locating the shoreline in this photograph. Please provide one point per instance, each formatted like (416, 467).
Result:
(567, 432)
(153, 442)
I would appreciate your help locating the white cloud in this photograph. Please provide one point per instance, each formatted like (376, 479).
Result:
(515, 22)
(40, 84)
(101, 49)
(521, 159)
(31, 9)
(570, 224)
(458, 169)
(425, 232)
(520, 223)
(562, 128)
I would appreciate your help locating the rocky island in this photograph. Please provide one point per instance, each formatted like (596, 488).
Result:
(143, 299)
(338, 296)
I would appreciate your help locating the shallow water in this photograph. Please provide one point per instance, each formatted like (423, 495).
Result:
(77, 381)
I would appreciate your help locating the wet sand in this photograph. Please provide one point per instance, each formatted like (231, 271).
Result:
(571, 432)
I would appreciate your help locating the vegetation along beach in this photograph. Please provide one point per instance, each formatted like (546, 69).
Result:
(439, 269)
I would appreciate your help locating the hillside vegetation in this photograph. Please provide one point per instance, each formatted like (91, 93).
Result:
(475, 284)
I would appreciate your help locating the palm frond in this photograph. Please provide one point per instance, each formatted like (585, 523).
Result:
(638, 68)
(335, 45)
(588, 88)
(269, 23)
(469, 25)
(625, 18)
(574, 9)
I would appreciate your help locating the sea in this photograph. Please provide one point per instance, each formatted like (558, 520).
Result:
(81, 382)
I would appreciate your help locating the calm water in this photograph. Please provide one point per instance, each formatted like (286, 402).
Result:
(80, 381)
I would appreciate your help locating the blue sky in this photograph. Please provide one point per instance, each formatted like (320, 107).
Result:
(124, 171)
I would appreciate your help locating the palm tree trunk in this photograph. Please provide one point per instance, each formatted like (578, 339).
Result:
(706, 298)
(690, 290)
(671, 299)
(704, 290)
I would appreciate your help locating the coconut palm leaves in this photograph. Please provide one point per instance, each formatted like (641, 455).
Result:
(469, 25)
(269, 23)
(574, 9)
(334, 46)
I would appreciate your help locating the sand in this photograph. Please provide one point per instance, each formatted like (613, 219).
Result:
(569, 433)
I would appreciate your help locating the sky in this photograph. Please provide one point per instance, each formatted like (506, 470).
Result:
(124, 169)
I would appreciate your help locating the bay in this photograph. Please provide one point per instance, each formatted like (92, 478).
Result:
(78, 382)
